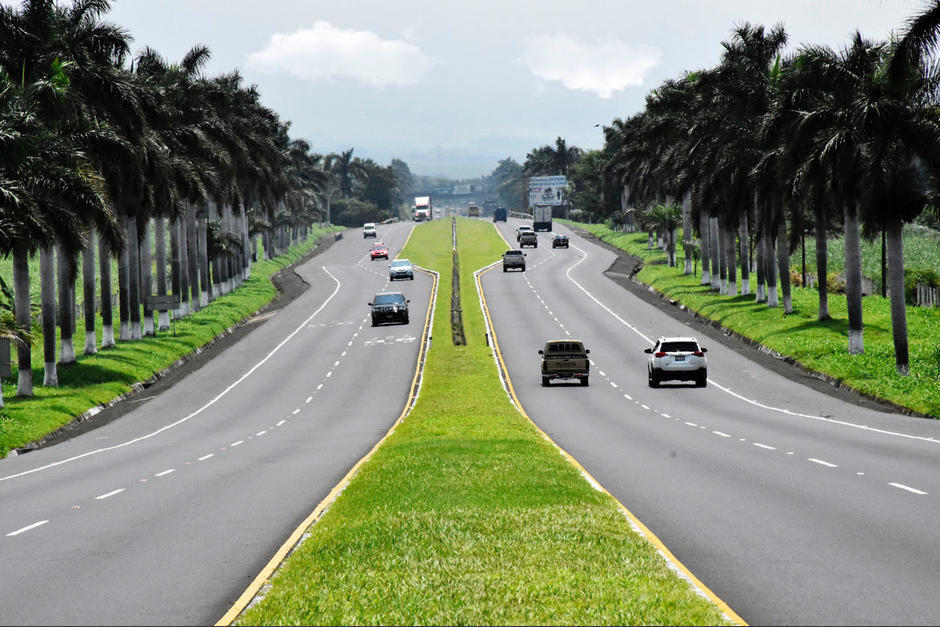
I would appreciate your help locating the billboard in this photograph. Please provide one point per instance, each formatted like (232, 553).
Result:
(461, 189)
(547, 190)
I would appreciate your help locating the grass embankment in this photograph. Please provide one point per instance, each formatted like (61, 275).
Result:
(97, 379)
(818, 346)
(465, 514)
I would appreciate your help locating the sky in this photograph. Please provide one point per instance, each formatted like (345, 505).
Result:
(450, 87)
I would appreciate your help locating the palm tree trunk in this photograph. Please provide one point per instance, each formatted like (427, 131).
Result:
(88, 293)
(21, 306)
(192, 257)
(182, 224)
(853, 280)
(703, 248)
(47, 296)
(715, 253)
(202, 240)
(146, 279)
(133, 277)
(124, 306)
(822, 268)
(895, 246)
(770, 265)
(107, 302)
(175, 256)
(731, 261)
(760, 294)
(783, 261)
(687, 232)
(722, 258)
(744, 238)
(159, 229)
(66, 307)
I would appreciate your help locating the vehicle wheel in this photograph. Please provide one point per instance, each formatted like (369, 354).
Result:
(406, 319)
(584, 381)
(412, 277)
(544, 382)
(653, 379)
(374, 322)
(504, 269)
(701, 380)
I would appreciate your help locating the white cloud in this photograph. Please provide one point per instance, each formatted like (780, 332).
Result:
(603, 67)
(326, 51)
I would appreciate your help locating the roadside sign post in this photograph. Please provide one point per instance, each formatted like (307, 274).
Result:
(165, 302)
(5, 370)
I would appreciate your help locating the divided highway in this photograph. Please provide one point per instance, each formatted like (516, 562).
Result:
(166, 515)
(793, 506)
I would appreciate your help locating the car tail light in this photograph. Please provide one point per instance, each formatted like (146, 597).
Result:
(699, 354)
(660, 354)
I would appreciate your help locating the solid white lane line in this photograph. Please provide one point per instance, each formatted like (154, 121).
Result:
(205, 457)
(27, 528)
(721, 433)
(215, 399)
(234, 444)
(769, 448)
(823, 463)
(908, 488)
(108, 494)
(165, 472)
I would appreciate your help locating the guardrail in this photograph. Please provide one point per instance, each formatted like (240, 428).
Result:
(927, 296)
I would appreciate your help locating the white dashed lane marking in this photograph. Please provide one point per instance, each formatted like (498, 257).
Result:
(908, 488)
(109, 494)
(769, 448)
(234, 444)
(280, 423)
(27, 528)
(722, 434)
(205, 457)
(165, 472)
(823, 463)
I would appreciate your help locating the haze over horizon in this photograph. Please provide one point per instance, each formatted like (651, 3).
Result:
(453, 89)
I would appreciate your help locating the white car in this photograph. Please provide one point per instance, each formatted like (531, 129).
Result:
(400, 269)
(522, 229)
(368, 230)
(677, 359)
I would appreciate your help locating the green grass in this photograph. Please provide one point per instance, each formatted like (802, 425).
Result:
(821, 347)
(466, 515)
(97, 379)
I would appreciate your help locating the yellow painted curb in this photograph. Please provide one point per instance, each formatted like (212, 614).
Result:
(650, 536)
(269, 569)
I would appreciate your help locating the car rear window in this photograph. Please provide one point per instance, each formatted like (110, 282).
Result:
(566, 347)
(388, 299)
(679, 347)
(513, 252)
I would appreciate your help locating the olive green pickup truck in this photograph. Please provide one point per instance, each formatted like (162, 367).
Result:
(565, 359)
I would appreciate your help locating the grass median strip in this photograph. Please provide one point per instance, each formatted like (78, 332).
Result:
(97, 379)
(466, 515)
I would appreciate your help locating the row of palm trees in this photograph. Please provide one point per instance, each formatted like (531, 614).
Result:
(104, 154)
(763, 147)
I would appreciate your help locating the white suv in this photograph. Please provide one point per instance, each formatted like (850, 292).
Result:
(368, 230)
(677, 359)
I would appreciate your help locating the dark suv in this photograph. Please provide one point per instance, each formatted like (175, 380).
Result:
(389, 307)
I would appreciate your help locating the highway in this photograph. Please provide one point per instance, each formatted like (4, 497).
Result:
(793, 506)
(166, 515)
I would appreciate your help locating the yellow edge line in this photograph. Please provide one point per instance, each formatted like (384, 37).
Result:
(252, 590)
(724, 607)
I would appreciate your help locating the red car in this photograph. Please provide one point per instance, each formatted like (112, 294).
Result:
(378, 251)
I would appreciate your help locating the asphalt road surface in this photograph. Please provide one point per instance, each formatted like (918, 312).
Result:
(794, 506)
(166, 515)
